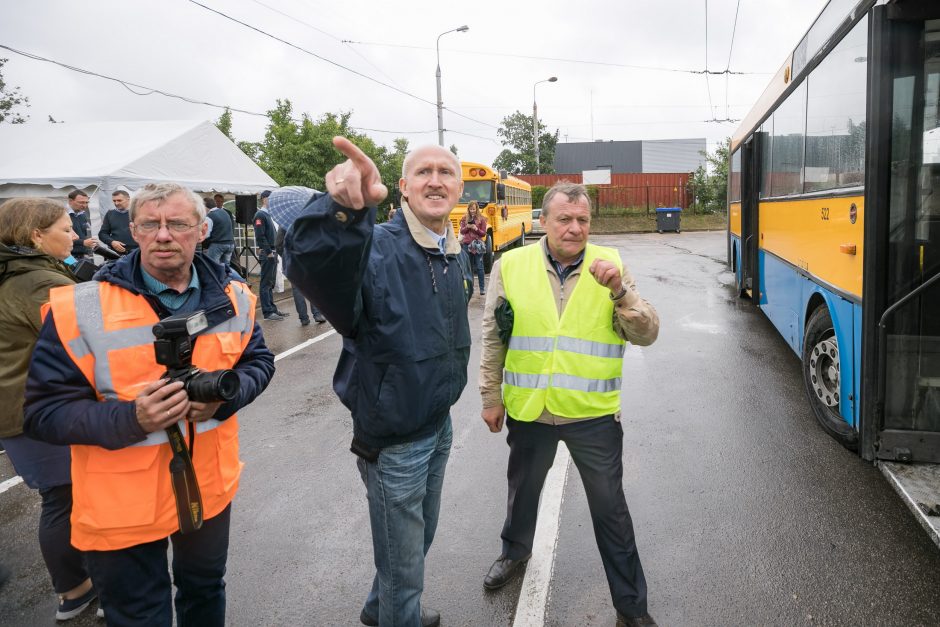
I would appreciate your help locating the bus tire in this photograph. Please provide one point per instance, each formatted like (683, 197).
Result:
(822, 376)
(488, 255)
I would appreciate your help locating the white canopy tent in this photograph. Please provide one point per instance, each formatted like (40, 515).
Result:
(51, 160)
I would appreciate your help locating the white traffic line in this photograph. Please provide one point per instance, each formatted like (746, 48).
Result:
(12, 481)
(533, 597)
(9, 483)
(303, 345)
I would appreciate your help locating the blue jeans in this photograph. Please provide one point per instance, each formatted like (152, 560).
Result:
(476, 265)
(220, 253)
(404, 491)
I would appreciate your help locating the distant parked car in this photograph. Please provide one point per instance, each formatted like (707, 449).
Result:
(536, 225)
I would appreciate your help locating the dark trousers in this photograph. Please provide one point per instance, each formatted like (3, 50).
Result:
(596, 446)
(476, 266)
(300, 304)
(266, 284)
(65, 563)
(134, 586)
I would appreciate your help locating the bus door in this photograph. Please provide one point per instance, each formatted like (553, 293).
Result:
(750, 177)
(903, 329)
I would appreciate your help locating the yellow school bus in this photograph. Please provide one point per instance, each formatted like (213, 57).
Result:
(505, 202)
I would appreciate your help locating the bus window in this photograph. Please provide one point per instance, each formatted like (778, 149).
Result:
(787, 152)
(766, 142)
(835, 124)
(480, 191)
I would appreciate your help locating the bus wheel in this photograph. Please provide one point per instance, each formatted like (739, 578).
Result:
(822, 377)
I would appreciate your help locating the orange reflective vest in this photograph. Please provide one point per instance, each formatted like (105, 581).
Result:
(124, 497)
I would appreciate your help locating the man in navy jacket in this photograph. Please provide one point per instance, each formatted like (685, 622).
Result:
(397, 292)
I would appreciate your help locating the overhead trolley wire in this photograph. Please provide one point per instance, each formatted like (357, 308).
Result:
(152, 90)
(734, 29)
(336, 64)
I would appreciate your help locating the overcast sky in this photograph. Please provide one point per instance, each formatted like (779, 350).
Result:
(623, 64)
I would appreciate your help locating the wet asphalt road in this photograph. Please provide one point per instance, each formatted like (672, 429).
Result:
(745, 512)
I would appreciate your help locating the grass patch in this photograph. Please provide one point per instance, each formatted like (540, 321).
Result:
(621, 220)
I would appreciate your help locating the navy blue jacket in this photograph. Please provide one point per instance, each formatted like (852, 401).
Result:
(61, 407)
(81, 224)
(116, 226)
(402, 311)
(265, 232)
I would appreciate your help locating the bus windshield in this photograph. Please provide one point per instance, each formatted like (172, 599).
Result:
(480, 191)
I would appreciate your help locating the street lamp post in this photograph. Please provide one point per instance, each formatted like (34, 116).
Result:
(535, 123)
(440, 103)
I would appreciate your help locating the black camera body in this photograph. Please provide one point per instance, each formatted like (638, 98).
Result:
(174, 349)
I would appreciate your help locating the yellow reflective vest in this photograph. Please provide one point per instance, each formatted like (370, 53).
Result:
(571, 365)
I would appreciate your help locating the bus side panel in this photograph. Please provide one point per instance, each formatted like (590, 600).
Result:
(846, 323)
(818, 235)
(782, 297)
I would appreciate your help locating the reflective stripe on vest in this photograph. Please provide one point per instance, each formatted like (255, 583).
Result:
(125, 497)
(96, 341)
(569, 365)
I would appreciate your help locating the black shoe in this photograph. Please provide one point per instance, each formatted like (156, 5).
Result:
(502, 571)
(70, 608)
(429, 618)
(273, 316)
(282, 314)
(319, 318)
(635, 621)
(305, 322)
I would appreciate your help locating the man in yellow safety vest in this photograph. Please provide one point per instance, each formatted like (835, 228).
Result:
(553, 344)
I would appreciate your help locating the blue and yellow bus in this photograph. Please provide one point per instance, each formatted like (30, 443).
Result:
(834, 222)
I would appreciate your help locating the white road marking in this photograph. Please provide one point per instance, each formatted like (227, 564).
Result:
(303, 345)
(533, 597)
(12, 481)
(9, 483)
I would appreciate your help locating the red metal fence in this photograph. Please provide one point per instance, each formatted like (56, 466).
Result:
(629, 190)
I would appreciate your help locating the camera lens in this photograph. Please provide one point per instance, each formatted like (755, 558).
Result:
(208, 387)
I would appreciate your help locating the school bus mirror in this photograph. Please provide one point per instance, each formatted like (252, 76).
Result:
(504, 174)
(500, 191)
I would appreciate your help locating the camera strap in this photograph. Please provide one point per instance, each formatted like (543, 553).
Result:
(183, 480)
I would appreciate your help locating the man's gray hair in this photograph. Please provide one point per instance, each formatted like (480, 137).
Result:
(160, 192)
(407, 161)
(573, 191)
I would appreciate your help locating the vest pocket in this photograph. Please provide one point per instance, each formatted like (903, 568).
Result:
(118, 488)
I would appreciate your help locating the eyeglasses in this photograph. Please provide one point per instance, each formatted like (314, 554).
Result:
(175, 226)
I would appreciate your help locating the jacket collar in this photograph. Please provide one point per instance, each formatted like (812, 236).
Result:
(420, 234)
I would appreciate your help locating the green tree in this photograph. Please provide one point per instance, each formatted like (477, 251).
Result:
(519, 156)
(709, 183)
(301, 152)
(10, 100)
(224, 123)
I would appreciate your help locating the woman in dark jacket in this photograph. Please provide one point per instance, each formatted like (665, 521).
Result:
(473, 229)
(35, 237)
